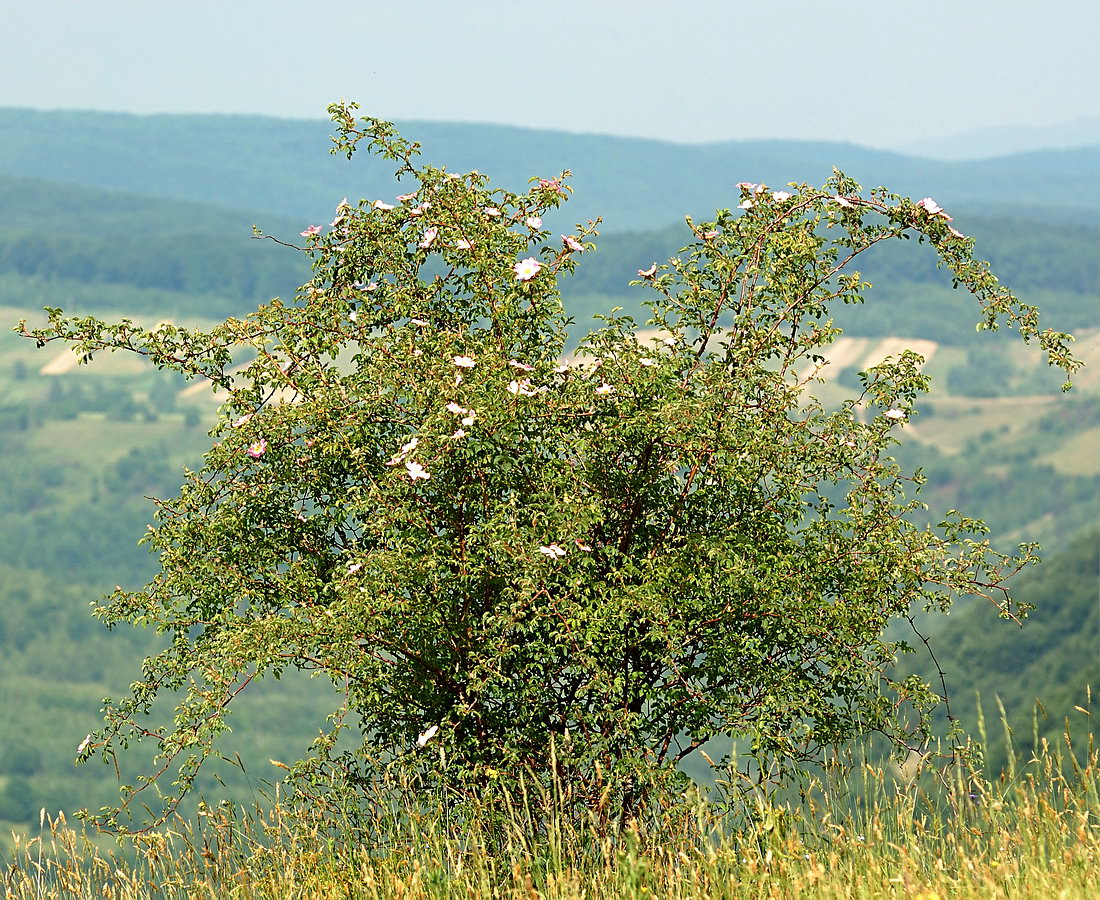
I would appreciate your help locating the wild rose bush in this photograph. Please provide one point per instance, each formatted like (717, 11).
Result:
(517, 564)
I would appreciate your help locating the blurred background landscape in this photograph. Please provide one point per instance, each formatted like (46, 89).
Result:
(149, 216)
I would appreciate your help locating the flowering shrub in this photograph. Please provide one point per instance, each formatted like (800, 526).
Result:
(516, 564)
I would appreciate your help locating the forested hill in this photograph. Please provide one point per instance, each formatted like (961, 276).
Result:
(1050, 661)
(281, 166)
(90, 249)
(1052, 265)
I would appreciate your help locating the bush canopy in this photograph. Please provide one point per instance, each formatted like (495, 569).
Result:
(517, 562)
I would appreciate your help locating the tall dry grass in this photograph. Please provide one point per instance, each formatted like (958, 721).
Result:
(1032, 833)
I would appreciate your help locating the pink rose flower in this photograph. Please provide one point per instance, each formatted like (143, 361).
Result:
(648, 273)
(526, 269)
(257, 449)
(399, 456)
(429, 236)
(522, 387)
(571, 243)
(931, 207)
(312, 230)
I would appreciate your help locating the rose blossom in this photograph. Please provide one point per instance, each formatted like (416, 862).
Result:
(526, 269)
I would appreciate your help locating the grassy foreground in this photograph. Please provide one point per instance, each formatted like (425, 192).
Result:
(1033, 834)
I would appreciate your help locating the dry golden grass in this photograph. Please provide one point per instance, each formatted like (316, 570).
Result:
(1035, 834)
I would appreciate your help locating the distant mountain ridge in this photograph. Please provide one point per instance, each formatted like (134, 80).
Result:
(281, 167)
(984, 143)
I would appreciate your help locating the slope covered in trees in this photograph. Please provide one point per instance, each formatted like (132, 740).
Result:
(1041, 673)
(93, 249)
(258, 163)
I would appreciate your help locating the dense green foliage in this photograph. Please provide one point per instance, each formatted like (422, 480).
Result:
(619, 560)
(56, 566)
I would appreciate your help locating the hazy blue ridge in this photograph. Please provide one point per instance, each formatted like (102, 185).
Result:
(282, 166)
(54, 205)
(1001, 140)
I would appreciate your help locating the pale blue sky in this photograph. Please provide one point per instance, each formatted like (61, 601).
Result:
(876, 72)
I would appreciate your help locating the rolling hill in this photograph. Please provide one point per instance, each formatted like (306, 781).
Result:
(87, 248)
(280, 167)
